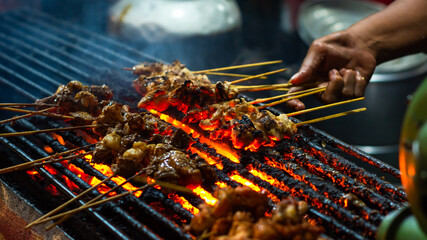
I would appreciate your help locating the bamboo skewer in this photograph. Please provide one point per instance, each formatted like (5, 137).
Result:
(300, 94)
(63, 219)
(323, 107)
(164, 184)
(237, 66)
(330, 117)
(48, 130)
(257, 76)
(262, 87)
(75, 198)
(321, 89)
(231, 74)
(41, 112)
(27, 105)
(25, 116)
(45, 160)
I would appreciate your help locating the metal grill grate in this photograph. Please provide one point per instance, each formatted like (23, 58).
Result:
(38, 53)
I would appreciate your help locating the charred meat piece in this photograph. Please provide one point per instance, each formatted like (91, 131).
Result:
(240, 214)
(243, 124)
(80, 101)
(164, 85)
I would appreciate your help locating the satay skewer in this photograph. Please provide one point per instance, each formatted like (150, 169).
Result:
(257, 76)
(299, 94)
(62, 206)
(49, 130)
(26, 115)
(41, 112)
(21, 105)
(318, 90)
(330, 117)
(44, 160)
(323, 107)
(237, 66)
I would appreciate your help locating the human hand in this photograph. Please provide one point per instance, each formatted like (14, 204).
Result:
(341, 63)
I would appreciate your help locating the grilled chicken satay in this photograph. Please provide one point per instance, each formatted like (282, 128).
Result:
(164, 85)
(240, 214)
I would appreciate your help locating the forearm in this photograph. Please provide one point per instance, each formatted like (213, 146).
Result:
(398, 30)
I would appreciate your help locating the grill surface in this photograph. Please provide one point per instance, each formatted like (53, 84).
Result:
(36, 56)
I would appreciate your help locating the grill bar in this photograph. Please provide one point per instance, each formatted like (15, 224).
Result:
(61, 52)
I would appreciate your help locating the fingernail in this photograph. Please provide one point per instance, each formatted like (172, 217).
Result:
(294, 77)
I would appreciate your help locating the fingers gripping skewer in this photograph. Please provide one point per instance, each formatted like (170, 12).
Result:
(296, 94)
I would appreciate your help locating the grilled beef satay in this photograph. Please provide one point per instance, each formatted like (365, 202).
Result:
(164, 85)
(240, 214)
(80, 101)
(140, 141)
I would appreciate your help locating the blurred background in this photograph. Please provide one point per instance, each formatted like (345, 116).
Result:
(214, 33)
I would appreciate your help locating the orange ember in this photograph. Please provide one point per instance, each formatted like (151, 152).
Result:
(205, 195)
(48, 149)
(249, 184)
(185, 204)
(58, 138)
(290, 172)
(106, 170)
(221, 148)
(208, 159)
(221, 184)
(236, 177)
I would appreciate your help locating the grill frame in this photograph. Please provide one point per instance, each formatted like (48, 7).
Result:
(82, 71)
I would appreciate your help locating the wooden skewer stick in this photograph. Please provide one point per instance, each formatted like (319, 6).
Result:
(26, 115)
(321, 89)
(257, 76)
(164, 185)
(330, 117)
(299, 93)
(75, 198)
(262, 87)
(231, 74)
(27, 105)
(48, 130)
(63, 219)
(237, 66)
(45, 160)
(323, 107)
(41, 112)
